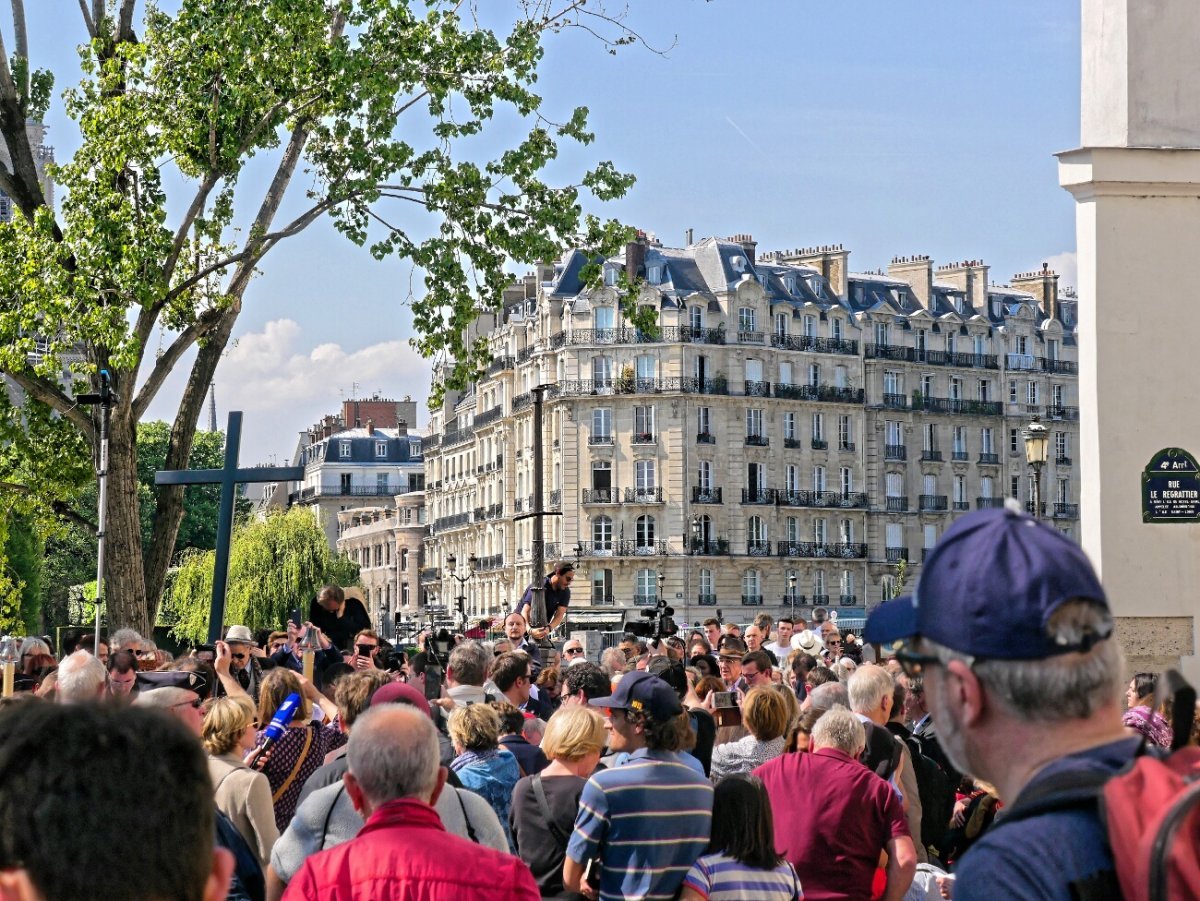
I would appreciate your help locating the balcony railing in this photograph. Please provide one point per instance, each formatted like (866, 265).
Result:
(758, 495)
(430, 574)
(812, 343)
(752, 600)
(952, 358)
(820, 444)
(895, 452)
(822, 393)
(340, 490)
(1041, 508)
(486, 564)
(889, 352)
(643, 438)
(805, 498)
(820, 600)
(844, 551)
(897, 504)
(896, 554)
(499, 364)
(757, 441)
(599, 495)
(751, 338)
(1020, 361)
(624, 548)
(711, 547)
(600, 440)
(792, 443)
(931, 456)
(895, 401)
(932, 502)
(960, 456)
(706, 438)
(989, 503)
(704, 386)
(960, 506)
(1066, 511)
(706, 600)
(706, 495)
(758, 389)
(643, 495)
(1065, 366)
(1062, 461)
(848, 600)
(488, 417)
(1060, 412)
(758, 547)
(846, 446)
(989, 459)
(645, 600)
(957, 406)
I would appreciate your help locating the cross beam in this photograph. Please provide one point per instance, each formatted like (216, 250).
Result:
(228, 477)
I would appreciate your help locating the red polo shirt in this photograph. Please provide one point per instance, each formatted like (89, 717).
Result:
(832, 818)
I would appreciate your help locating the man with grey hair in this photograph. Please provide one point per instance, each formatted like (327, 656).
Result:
(394, 779)
(466, 672)
(840, 816)
(81, 677)
(872, 691)
(1013, 639)
(827, 696)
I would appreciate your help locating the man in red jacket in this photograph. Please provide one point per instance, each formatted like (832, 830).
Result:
(403, 853)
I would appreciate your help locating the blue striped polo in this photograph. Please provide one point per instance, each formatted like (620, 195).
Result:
(647, 820)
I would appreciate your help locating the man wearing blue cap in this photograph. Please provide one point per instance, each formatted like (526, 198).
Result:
(1012, 634)
(648, 820)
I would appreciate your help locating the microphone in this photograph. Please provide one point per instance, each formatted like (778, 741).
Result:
(277, 728)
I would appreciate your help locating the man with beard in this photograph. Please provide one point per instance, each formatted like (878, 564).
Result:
(1012, 633)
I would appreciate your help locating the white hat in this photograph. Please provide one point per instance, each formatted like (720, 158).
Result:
(806, 641)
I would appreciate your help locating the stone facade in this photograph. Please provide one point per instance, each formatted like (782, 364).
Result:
(793, 432)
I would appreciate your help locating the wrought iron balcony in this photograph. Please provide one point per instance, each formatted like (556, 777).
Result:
(702, 335)
(792, 443)
(706, 495)
(895, 401)
(758, 495)
(897, 504)
(643, 438)
(890, 352)
(643, 495)
(1066, 366)
(1066, 511)
(820, 444)
(712, 547)
(1070, 414)
(932, 502)
(499, 364)
(706, 600)
(989, 503)
(706, 438)
(1020, 361)
(846, 446)
(758, 547)
(1041, 508)
(599, 495)
(757, 441)
(931, 456)
(960, 506)
(486, 564)
(896, 554)
(489, 416)
(704, 386)
(895, 452)
(624, 548)
(989, 459)
(844, 551)
(812, 343)
(752, 600)
(957, 406)
(820, 600)
(822, 393)
(1062, 461)
(847, 600)
(751, 338)
(645, 600)
(758, 389)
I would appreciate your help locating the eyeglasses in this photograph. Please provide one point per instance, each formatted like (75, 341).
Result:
(914, 663)
(572, 651)
(610, 712)
(238, 656)
(193, 704)
(833, 641)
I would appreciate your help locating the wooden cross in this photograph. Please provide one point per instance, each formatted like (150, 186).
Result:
(228, 477)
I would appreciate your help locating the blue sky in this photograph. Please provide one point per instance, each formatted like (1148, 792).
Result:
(892, 128)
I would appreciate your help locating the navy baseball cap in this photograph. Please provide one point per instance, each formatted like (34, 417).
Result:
(989, 588)
(642, 692)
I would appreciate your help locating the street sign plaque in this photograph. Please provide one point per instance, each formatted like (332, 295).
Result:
(1171, 488)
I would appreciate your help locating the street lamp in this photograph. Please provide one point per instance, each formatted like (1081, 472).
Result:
(451, 566)
(792, 593)
(697, 533)
(383, 612)
(1037, 447)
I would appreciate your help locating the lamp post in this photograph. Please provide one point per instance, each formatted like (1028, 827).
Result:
(451, 568)
(792, 593)
(1037, 446)
(697, 534)
(10, 654)
(383, 612)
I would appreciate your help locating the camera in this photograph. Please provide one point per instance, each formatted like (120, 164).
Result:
(437, 648)
(726, 711)
(660, 622)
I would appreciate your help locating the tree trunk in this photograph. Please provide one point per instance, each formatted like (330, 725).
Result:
(125, 600)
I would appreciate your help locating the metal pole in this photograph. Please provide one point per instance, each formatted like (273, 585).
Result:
(233, 438)
(105, 399)
(1037, 491)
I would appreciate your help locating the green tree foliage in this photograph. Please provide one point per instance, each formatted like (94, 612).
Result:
(413, 125)
(275, 565)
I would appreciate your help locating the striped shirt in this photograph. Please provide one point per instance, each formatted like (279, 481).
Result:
(718, 877)
(647, 821)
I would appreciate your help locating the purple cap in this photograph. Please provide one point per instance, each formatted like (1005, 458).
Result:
(643, 692)
(400, 693)
(990, 587)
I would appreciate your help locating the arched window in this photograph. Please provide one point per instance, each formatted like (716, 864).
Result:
(645, 533)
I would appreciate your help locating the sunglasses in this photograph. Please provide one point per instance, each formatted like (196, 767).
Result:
(193, 704)
(914, 664)
(572, 651)
(833, 641)
(238, 656)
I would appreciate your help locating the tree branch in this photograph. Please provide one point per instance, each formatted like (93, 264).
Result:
(22, 36)
(165, 363)
(88, 22)
(52, 396)
(194, 210)
(125, 22)
(62, 508)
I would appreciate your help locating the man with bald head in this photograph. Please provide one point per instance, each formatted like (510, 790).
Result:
(394, 779)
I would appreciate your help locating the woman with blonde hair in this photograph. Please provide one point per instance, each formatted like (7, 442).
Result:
(544, 805)
(482, 765)
(767, 716)
(303, 747)
(241, 793)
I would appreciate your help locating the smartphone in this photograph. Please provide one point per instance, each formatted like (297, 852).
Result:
(591, 873)
(294, 617)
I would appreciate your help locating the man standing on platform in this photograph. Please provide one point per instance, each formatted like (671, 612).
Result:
(558, 595)
(339, 617)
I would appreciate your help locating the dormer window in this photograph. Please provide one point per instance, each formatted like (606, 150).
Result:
(414, 449)
(654, 274)
(344, 449)
(381, 449)
(738, 263)
(610, 276)
(790, 284)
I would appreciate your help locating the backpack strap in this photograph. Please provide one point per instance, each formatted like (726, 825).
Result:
(466, 816)
(1073, 789)
(539, 794)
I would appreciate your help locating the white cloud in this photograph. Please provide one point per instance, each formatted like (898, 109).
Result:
(283, 388)
(1065, 264)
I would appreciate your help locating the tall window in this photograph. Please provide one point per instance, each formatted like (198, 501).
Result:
(845, 431)
(847, 584)
(792, 529)
(643, 422)
(647, 367)
(847, 480)
(814, 374)
(789, 425)
(756, 530)
(930, 536)
(960, 439)
(602, 533)
(791, 479)
(696, 318)
(704, 475)
(1064, 491)
(818, 426)
(818, 478)
(820, 530)
(881, 333)
(892, 383)
(819, 583)
(647, 583)
(985, 390)
(644, 530)
(895, 432)
(602, 424)
(604, 318)
(1032, 393)
(985, 487)
(403, 559)
(1061, 446)
(846, 531)
(986, 444)
(706, 583)
(894, 482)
(810, 325)
(956, 388)
(602, 372)
(929, 433)
(960, 489)
(644, 472)
(835, 326)
(930, 482)
(754, 422)
(781, 324)
(704, 420)
(752, 584)
(747, 319)
(602, 591)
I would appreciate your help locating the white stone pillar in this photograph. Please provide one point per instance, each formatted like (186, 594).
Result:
(1136, 180)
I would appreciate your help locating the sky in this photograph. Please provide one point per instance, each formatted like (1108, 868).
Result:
(891, 128)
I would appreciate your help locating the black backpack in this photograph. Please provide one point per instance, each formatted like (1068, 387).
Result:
(936, 789)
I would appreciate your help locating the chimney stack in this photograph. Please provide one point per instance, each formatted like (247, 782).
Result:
(970, 277)
(831, 260)
(635, 257)
(370, 426)
(918, 272)
(1042, 284)
(749, 245)
(687, 237)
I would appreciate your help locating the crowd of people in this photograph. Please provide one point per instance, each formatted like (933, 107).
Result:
(782, 760)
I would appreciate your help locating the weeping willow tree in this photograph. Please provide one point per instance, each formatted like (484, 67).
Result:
(274, 565)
